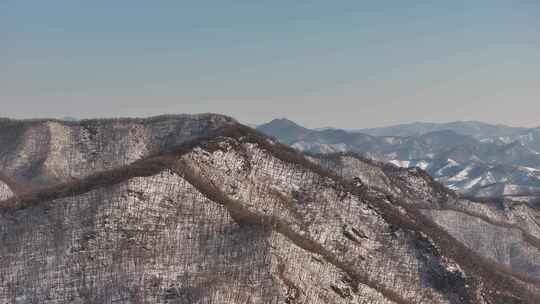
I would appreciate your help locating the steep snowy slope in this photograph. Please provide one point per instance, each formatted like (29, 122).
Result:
(504, 231)
(238, 218)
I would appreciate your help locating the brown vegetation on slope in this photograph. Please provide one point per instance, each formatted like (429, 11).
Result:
(501, 282)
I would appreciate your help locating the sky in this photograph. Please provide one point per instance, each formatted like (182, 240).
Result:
(347, 64)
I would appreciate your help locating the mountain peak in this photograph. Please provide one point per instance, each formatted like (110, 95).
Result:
(283, 129)
(283, 122)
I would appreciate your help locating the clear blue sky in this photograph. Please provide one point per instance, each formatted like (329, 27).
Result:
(348, 64)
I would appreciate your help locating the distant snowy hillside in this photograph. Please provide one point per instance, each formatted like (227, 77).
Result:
(473, 158)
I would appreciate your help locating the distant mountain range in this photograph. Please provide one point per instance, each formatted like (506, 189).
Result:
(476, 129)
(476, 159)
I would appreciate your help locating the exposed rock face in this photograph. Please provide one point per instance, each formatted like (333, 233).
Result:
(237, 218)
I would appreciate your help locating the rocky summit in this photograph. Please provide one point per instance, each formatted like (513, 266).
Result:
(201, 209)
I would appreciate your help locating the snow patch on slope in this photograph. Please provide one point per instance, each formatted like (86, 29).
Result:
(461, 176)
(472, 183)
(400, 163)
(422, 164)
(528, 169)
(5, 191)
(450, 164)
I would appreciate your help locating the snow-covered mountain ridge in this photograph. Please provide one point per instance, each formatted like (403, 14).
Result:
(200, 209)
(475, 159)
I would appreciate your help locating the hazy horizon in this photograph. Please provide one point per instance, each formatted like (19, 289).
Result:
(322, 126)
(350, 65)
